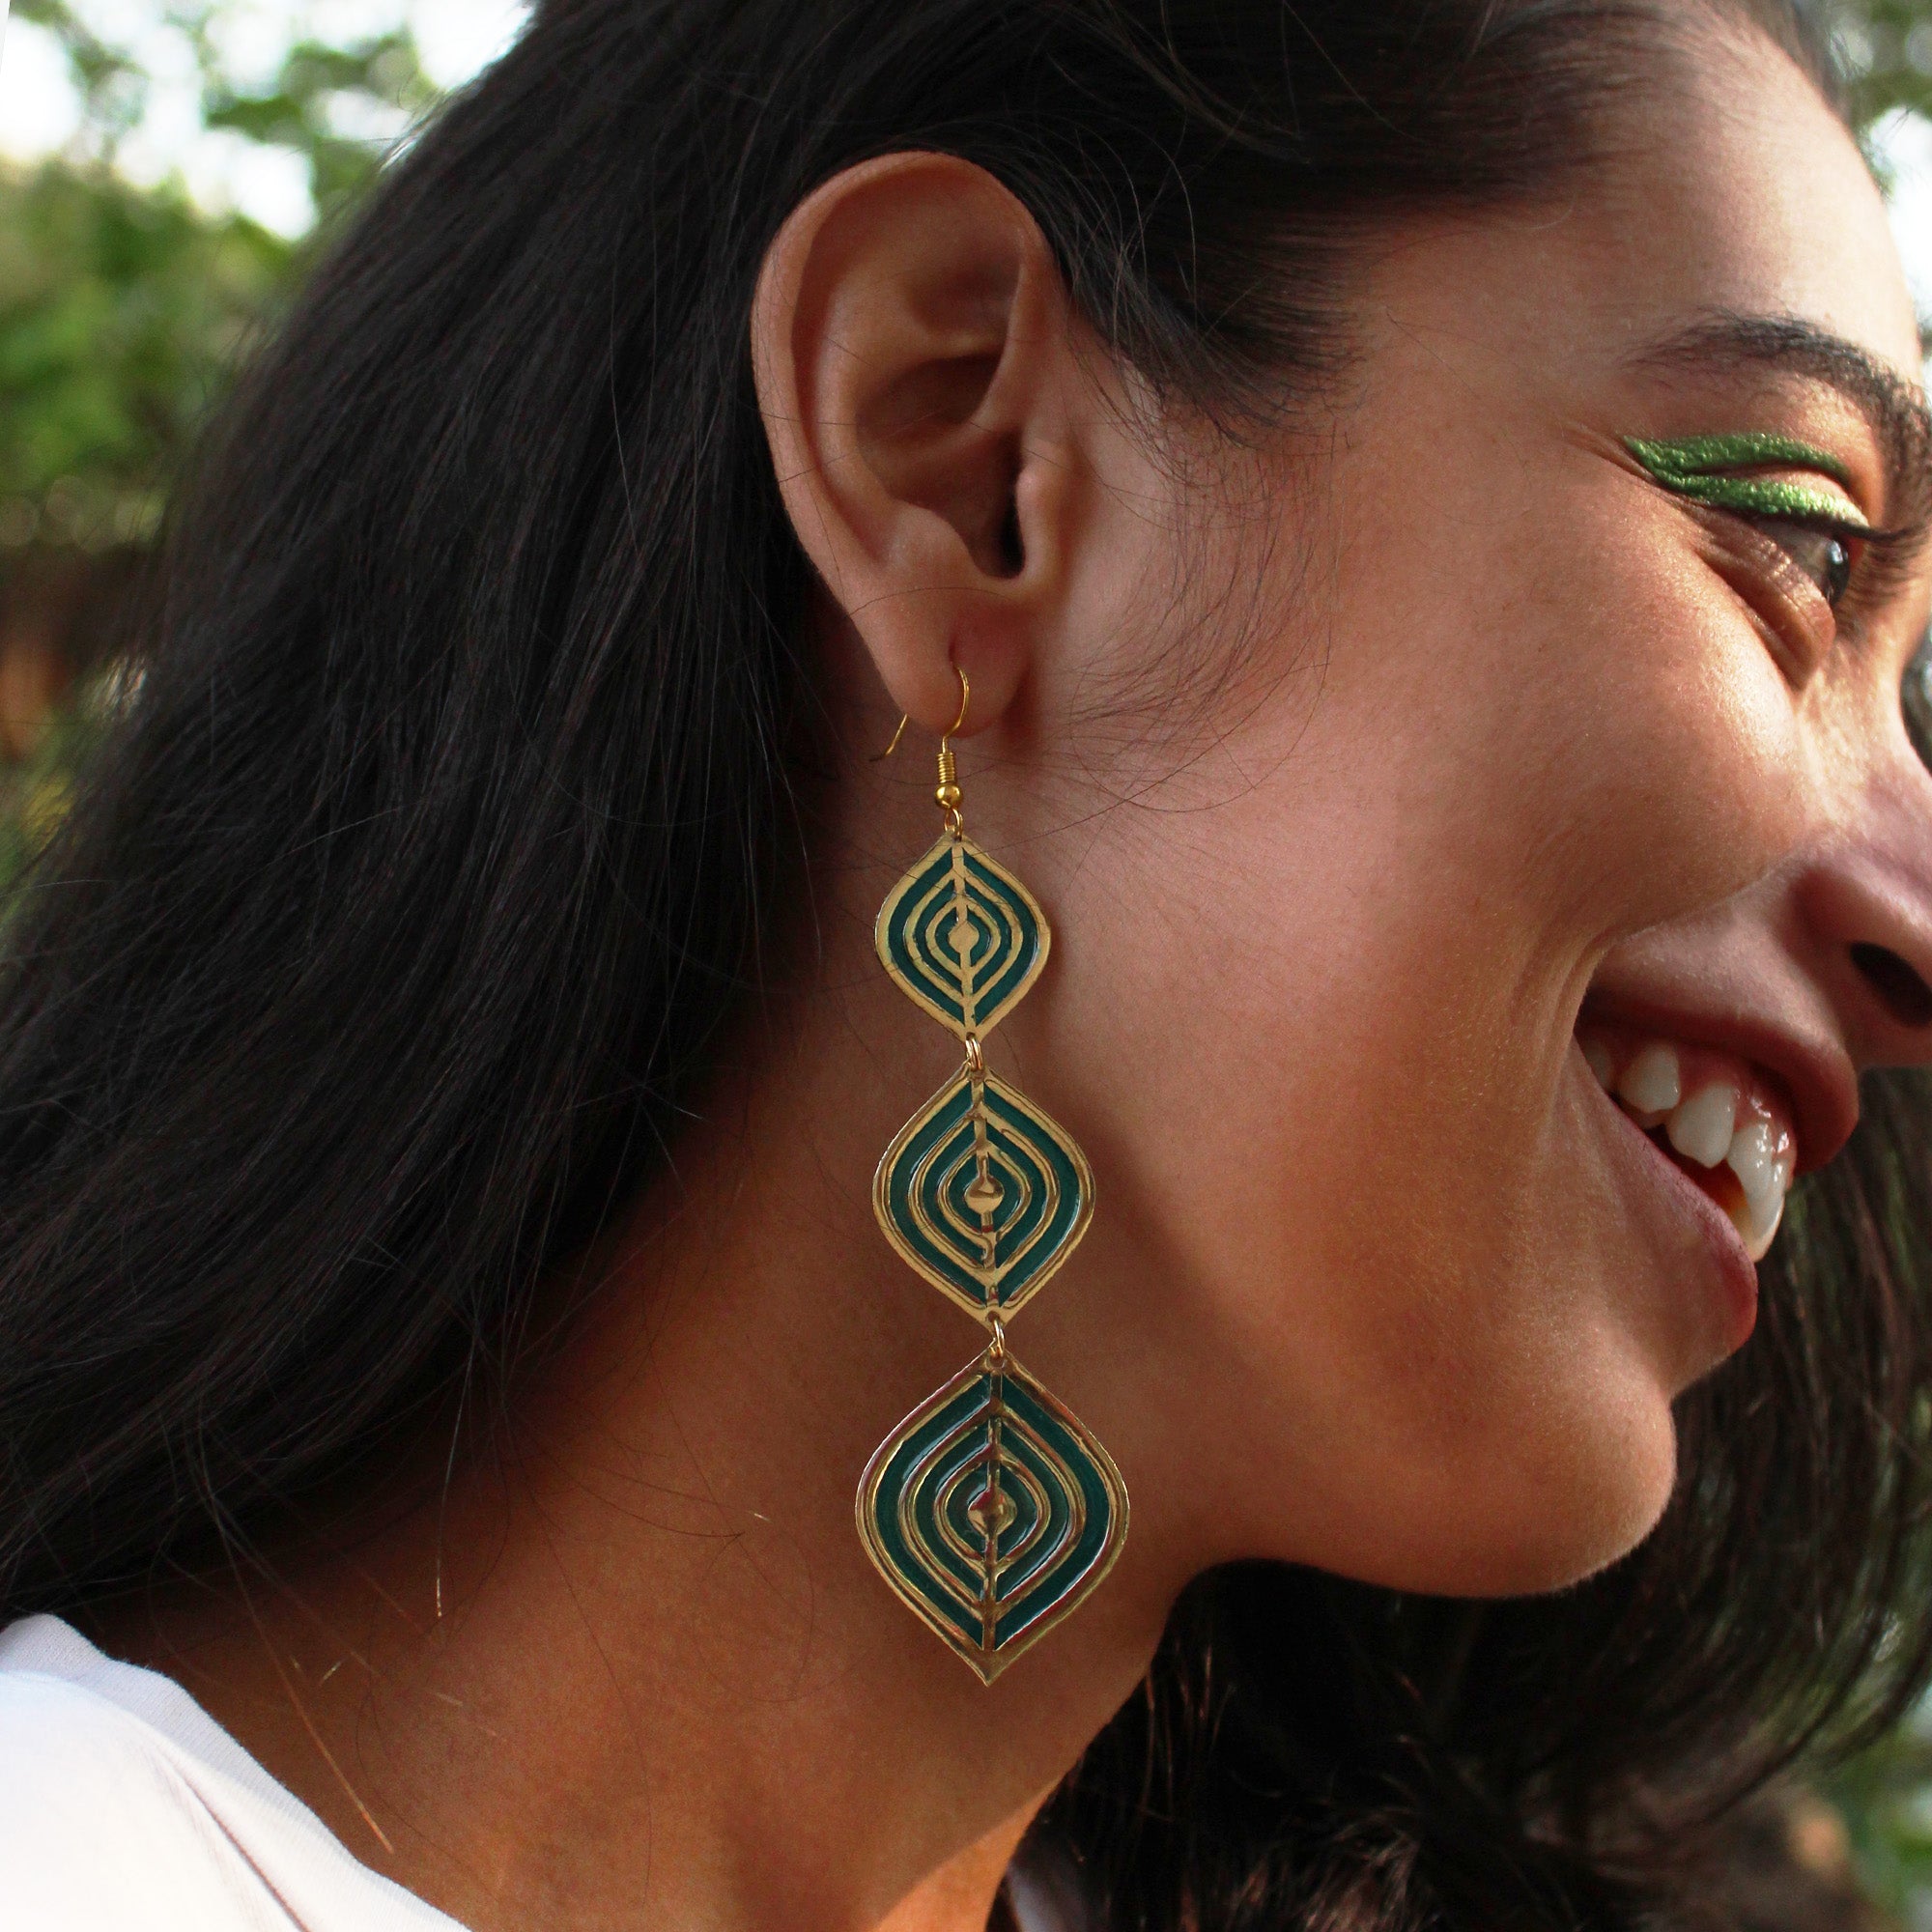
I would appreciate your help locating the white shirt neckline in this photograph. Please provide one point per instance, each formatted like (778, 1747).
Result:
(125, 1806)
(115, 1785)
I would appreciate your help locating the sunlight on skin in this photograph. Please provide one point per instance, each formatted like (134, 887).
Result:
(958, 1893)
(1380, 1280)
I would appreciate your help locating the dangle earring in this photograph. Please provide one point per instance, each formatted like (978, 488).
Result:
(990, 1509)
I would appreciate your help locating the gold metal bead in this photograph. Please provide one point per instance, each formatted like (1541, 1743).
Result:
(948, 797)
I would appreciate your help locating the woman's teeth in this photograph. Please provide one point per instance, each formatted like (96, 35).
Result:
(1730, 1134)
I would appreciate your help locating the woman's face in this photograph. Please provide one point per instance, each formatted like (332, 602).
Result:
(1548, 764)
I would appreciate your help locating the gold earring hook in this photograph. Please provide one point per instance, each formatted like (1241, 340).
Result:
(947, 795)
(965, 698)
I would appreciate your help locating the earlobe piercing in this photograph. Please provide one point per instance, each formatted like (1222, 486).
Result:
(990, 1509)
(946, 737)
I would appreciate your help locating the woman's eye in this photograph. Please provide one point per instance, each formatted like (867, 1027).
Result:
(1800, 511)
(1823, 555)
(1915, 700)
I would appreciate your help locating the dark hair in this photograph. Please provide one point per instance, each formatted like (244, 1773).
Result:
(393, 935)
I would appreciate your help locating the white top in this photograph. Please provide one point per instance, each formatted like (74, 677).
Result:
(126, 1808)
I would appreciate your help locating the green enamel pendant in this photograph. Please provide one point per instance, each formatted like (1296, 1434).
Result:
(990, 1509)
(983, 1195)
(992, 1512)
(962, 937)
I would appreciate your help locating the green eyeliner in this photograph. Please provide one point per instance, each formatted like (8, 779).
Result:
(1696, 466)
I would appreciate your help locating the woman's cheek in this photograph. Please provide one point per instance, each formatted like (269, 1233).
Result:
(1592, 726)
(1686, 764)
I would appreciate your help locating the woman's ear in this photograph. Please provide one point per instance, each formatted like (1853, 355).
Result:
(911, 347)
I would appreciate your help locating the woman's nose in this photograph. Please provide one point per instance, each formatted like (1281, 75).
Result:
(1868, 906)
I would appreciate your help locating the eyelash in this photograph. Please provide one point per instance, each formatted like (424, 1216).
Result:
(1848, 542)
(1871, 557)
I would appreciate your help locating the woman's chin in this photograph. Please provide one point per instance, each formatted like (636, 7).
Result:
(1564, 1492)
(1598, 1492)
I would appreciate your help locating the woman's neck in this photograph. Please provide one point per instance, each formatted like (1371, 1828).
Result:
(632, 1668)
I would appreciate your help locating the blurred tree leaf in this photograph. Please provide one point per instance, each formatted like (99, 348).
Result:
(124, 308)
(1886, 47)
(113, 87)
(121, 312)
(1884, 1796)
(340, 109)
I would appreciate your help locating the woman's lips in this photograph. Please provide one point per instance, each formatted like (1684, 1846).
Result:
(1721, 1121)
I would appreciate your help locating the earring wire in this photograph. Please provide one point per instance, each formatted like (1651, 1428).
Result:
(965, 698)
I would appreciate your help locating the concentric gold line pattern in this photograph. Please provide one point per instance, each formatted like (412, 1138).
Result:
(990, 1509)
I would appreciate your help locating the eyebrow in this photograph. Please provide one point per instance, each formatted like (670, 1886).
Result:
(1893, 407)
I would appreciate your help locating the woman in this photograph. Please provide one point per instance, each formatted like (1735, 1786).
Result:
(1409, 520)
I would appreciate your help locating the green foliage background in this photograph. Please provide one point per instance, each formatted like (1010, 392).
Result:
(124, 309)
(1887, 47)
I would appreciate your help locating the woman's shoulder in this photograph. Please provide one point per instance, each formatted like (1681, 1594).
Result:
(124, 1805)
(97, 1828)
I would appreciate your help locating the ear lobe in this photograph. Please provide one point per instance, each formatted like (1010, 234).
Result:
(910, 345)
